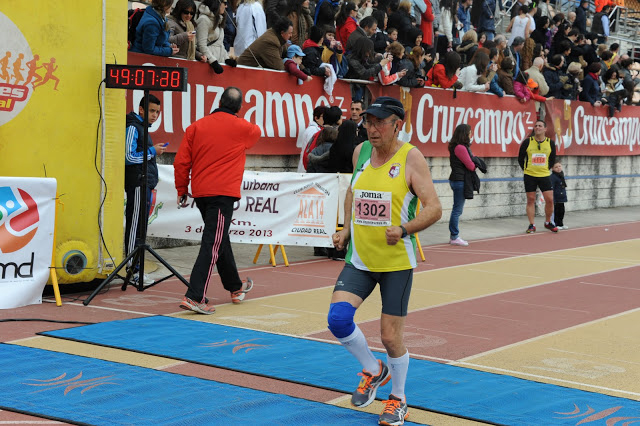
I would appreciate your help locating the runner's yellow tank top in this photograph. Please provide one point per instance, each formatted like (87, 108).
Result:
(381, 198)
(537, 161)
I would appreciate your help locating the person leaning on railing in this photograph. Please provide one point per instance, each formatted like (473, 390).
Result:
(182, 30)
(445, 74)
(151, 34)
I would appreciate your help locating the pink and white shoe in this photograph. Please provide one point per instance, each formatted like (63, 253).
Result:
(459, 242)
(238, 296)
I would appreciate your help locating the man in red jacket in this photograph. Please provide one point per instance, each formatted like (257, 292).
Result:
(213, 150)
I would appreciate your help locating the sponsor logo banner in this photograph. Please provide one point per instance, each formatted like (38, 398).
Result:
(282, 109)
(579, 127)
(27, 220)
(275, 208)
(272, 100)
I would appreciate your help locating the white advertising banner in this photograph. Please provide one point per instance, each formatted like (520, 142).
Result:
(27, 220)
(275, 208)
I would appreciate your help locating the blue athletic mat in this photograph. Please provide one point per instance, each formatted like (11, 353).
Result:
(83, 390)
(432, 386)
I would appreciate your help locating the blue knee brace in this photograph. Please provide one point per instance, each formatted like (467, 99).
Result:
(340, 319)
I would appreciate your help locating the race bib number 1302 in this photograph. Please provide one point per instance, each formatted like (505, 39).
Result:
(372, 208)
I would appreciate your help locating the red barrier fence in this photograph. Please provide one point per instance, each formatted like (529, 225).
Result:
(282, 108)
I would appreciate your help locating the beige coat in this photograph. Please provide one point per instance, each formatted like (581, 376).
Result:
(536, 75)
(210, 40)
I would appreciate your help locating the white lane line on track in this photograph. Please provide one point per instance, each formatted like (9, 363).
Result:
(446, 332)
(443, 245)
(514, 373)
(497, 293)
(544, 306)
(544, 255)
(546, 379)
(338, 400)
(610, 286)
(608, 358)
(550, 254)
(426, 290)
(170, 365)
(498, 318)
(308, 275)
(504, 273)
(543, 336)
(294, 310)
(112, 309)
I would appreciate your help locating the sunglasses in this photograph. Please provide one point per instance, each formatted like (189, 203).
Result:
(188, 12)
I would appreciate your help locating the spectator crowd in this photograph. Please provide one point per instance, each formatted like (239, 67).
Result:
(451, 44)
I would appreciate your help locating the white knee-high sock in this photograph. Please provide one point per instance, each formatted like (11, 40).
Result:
(398, 367)
(356, 344)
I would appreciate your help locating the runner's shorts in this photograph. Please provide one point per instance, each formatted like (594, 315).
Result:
(532, 182)
(395, 287)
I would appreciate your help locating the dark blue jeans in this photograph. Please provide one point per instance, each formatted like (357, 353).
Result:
(457, 186)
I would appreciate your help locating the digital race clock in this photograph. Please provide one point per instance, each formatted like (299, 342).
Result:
(146, 78)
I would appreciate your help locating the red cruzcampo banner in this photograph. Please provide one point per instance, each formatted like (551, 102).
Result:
(582, 129)
(282, 108)
(273, 100)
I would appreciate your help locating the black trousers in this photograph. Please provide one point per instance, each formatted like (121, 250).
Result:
(558, 214)
(215, 248)
(132, 214)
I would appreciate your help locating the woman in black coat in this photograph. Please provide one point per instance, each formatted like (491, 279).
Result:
(341, 151)
(460, 161)
(591, 87)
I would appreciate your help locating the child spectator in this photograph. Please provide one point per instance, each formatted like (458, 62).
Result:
(559, 195)
(395, 52)
(526, 88)
(292, 63)
(333, 53)
(151, 36)
(392, 33)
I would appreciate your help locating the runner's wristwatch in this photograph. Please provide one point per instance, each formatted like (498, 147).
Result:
(404, 231)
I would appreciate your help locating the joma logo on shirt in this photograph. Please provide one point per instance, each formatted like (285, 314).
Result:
(371, 194)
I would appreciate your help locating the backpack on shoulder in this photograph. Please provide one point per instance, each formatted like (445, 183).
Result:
(310, 147)
(134, 18)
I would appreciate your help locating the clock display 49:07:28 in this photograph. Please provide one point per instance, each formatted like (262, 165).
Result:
(148, 77)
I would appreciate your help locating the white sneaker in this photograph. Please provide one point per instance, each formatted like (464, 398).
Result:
(146, 279)
(565, 227)
(459, 242)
